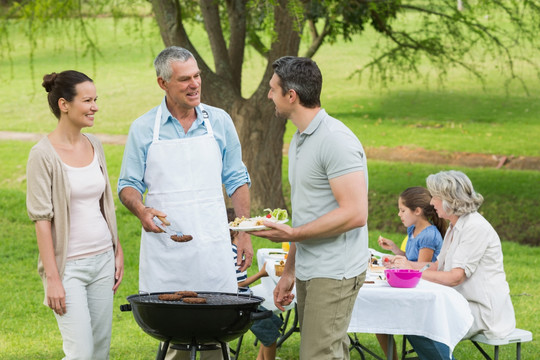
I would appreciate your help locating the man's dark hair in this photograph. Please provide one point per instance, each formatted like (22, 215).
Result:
(301, 75)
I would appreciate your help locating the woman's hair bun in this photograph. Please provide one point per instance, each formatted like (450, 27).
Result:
(48, 81)
(62, 85)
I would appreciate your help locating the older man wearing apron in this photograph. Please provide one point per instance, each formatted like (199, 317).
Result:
(192, 197)
(183, 168)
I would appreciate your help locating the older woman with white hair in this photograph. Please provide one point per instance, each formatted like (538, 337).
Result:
(470, 260)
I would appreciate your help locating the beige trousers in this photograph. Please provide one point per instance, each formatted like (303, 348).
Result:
(324, 310)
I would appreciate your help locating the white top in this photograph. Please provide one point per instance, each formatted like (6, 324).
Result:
(473, 245)
(88, 233)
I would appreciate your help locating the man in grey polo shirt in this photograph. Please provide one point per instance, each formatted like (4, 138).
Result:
(329, 253)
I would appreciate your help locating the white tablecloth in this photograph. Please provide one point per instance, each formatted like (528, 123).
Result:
(266, 288)
(431, 310)
(435, 311)
(271, 257)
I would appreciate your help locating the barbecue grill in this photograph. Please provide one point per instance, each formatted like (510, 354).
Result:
(190, 327)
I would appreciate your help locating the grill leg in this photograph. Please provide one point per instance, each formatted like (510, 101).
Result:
(162, 350)
(224, 351)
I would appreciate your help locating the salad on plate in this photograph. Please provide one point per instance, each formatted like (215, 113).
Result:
(256, 223)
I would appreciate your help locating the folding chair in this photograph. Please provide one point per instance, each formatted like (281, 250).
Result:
(517, 337)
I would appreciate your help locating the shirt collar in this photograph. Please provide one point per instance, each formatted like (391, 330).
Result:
(460, 223)
(167, 116)
(314, 124)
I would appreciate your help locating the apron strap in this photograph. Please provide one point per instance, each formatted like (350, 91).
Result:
(157, 122)
(206, 120)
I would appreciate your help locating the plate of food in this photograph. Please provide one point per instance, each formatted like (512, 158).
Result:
(376, 266)
(279, 216)
(252, 224)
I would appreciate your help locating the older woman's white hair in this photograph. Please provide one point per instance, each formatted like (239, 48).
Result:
(456, 191)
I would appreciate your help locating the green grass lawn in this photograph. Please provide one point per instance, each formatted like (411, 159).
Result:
(461, 116)
(29, 331)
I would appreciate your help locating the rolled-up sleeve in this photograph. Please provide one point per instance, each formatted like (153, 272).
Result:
(472, 248)
(234, 173)
(135, 151)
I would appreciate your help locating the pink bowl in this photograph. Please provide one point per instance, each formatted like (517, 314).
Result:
(402, 278)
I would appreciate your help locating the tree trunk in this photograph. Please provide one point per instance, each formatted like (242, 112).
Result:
(261, 134)
(260, 131)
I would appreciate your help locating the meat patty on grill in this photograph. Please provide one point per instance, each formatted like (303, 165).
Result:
(194, 300)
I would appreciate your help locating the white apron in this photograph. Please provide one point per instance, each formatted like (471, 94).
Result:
(183, 177)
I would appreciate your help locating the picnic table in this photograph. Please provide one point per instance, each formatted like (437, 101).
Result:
(435, 311)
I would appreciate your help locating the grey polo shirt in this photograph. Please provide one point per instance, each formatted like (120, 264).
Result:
(326, 149)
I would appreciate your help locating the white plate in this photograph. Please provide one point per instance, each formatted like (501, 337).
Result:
(276, 256)
(255, 228)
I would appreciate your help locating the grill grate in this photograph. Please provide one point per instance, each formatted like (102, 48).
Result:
(211, 299)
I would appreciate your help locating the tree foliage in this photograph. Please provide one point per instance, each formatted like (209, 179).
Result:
(410, 34)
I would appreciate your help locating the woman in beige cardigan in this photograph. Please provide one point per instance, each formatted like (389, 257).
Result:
(69, 198)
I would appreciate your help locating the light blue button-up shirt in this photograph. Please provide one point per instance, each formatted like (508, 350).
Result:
(234, 173)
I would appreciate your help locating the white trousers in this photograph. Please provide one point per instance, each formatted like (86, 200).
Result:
(86, 326)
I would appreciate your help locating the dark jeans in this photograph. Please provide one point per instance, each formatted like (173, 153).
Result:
(428, 349)
(267, 330)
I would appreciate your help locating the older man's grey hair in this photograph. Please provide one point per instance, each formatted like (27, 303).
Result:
(456, 191)
(163, 61)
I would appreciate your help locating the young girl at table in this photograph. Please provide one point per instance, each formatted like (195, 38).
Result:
(265, 330)
(424, 229)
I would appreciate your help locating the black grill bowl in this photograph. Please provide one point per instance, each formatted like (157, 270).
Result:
(223, 318)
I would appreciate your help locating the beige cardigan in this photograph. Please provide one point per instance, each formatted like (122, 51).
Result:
(47, 198)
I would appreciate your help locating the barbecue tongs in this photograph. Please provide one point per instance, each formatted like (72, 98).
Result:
(165, 226)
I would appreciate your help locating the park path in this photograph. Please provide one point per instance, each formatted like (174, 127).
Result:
(398, 154)
(35, 137)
